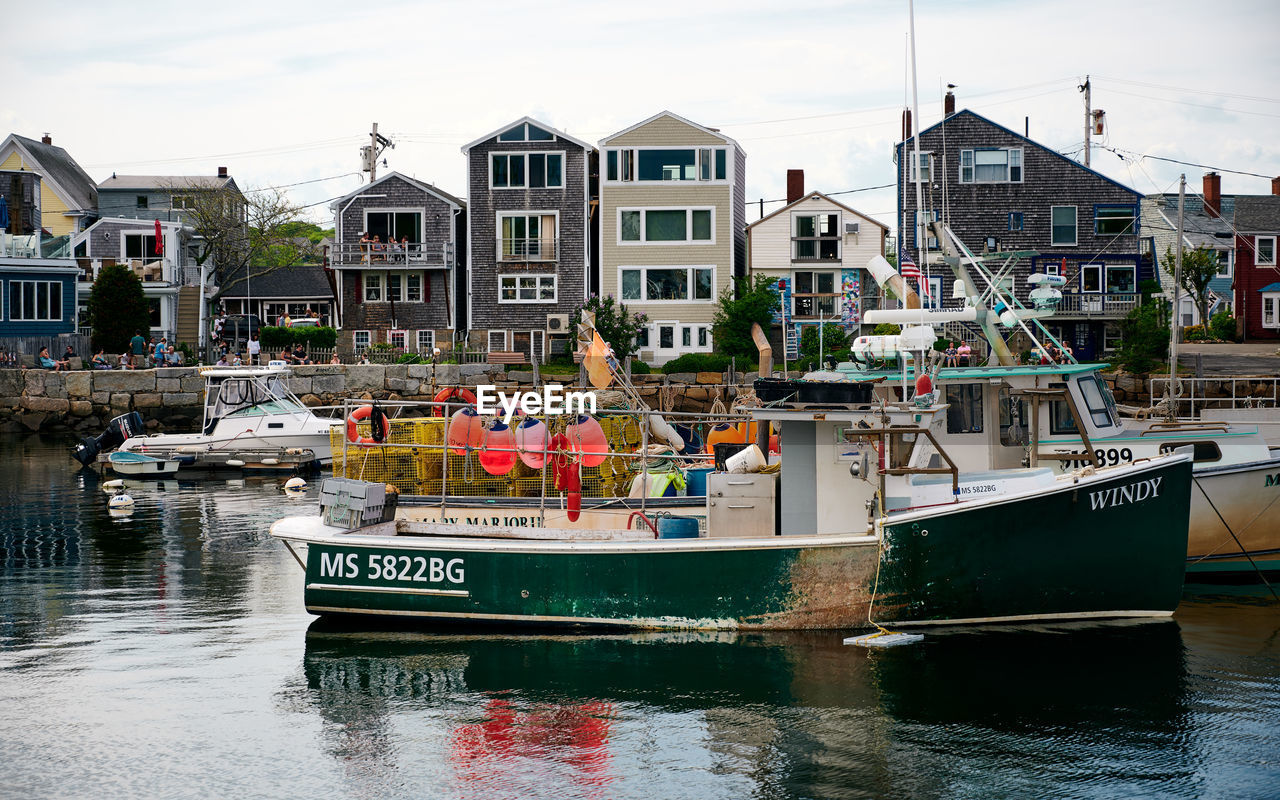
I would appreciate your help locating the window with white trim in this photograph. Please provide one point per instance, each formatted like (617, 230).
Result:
(1111, 337)
(372, 287)
(657, 284)
(815, 294)
(1063, 221)
(181, 201)
(1271, 310)
(1091, 278)
(397, 339)
(140, 246)
(1264, 248)
(526, 288)
(361, 340)
(526, 132)
(1226, 263)
(926, 166)
(664, 164)
(1122, 278)
(666, 225)
(1114, 220)
(413, 287)
(991, 165)
(815, 237)
(497, 341)
(526, 171)
(922, 221)
(35, 301)
(426, 341)
(392, 286)
(527, 236)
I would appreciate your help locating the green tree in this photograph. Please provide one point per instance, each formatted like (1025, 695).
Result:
(757, 300)
(1199, 266)
(117, 308)
(1144, 337)
(615, 324)
(834, 343)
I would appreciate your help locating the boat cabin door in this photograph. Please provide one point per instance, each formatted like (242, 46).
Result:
(1013, 422)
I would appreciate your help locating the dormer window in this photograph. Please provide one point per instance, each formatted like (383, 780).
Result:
(526, 132)
(666, 164)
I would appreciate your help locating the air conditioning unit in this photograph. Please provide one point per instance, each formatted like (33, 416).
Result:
(557, 323)
(851, 227)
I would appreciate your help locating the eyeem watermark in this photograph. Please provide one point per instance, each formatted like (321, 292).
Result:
(554, 400)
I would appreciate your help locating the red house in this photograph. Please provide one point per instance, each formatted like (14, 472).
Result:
(1257, 224)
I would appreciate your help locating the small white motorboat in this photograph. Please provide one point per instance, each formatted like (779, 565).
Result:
(138, 465)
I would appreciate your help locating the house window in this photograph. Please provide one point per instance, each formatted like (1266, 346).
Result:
(361, 340)
(141, 201)
(666, 225)
(1225, 259)
(1121, 279)
(394, 283)
(372, 287)
(526, 132)
(426, 341)
(642, 337)
(815, 236)
(666, 164)
(413, 287)
(926, 167)
(922, 221)
(527, 237)
(934, 300)
(694, 337)
(1265, 251)
(1064, 226)
(181, 201)
(32, 301)
(397, 339)
(1113, 220)
(527, 170)
(667, 283)
(667, 337)
(1091, 278)
(526, 288)
(1015, 220)
(140, 246)
(814, 294)
(1271, 310)
(991, 165)
(497, 341)
(393, 226)
(1111, 337)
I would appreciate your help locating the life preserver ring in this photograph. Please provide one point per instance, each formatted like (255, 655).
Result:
(378, 422)
(445, 395)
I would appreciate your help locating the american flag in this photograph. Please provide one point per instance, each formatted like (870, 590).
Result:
(910, 270)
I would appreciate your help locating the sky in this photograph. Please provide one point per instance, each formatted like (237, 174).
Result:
(283, 93)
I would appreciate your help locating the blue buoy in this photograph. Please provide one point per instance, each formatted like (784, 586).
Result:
(677, 527)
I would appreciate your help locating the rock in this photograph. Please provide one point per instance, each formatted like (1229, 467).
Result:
(365, 377)
(49, 404)
(710, 378)
(153, 424)
(397, 384)
(311, 401)
(193, 383)
(120, 402)
(470, 370)
(168, 384)
(448, 374)
(34, 379)
(397, 371)
(300, 385)
(178, 399)
(125, 380)
(684, 377)
(147, 400)
(79, 384)
(420, 371)
(12, 382)
(32, 422)
(100, 398)
(334, 384)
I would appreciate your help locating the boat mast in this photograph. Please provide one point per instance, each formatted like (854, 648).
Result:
(1175, 326)
(915, 155)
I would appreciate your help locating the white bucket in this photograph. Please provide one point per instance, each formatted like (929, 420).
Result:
(749, 459)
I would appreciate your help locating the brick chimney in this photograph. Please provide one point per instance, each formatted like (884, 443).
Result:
(795, 185)
(46, 139)
(222, 172)
(1213, 194)
(1275, 185)
(948, 104)
(906, 124)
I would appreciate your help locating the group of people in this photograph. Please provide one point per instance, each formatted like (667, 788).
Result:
(1049, 354)
(57, 365)
(957, 356)
(376, 250)
(286, 321)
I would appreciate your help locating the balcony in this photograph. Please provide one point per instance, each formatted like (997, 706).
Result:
(149, 270)
(528, 249)
(1098, 305)
(414, 255)
(815, 249)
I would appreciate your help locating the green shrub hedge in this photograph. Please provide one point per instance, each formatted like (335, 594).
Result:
(273, 336)
(703, 362)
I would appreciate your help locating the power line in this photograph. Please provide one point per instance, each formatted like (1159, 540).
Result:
(322, 144)
(1121, 151)
(301, 183)
(1193, 91)
(1194, 105)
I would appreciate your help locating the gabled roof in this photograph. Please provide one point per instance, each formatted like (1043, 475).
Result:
(1016, 135)
(165, 182)
(1199, 229)
(426, 187)
(59, 170)
(304, 281)
(674, 116)
(559, 133)
(829, 199)
(1258, 213)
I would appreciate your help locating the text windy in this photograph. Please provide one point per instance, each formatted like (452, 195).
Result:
(1123, 495)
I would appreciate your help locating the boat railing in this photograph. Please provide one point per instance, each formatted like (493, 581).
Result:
(1193, 395)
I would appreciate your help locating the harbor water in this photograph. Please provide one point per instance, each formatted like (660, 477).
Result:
(166, 654)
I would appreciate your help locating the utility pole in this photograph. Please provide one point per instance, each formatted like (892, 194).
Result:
(1088, 119)
(1175, 330)
(370, 152)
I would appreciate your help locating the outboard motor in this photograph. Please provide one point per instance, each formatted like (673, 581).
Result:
(118, 429)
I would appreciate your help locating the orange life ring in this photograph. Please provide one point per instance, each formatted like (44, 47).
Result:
(360, 414)
(445, 395)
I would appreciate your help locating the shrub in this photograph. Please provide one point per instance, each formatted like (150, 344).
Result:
(615, 324)
(1223, 326)
(703, 362)
(1194, 333)
(117, 309)
(273, 336)
(886, 329)
(1144, 337)
(409, 358)
(755, 302)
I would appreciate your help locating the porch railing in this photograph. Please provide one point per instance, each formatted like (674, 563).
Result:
(1098, 304)
(528, 249)
(427, 255)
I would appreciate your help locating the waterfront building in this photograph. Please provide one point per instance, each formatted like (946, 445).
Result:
(37, 278)
(817, 249)
(271, 292)
(67, 197)
(1001, 191)
(405, 293)
(672, 228)
(532, 245)
(1257, 232)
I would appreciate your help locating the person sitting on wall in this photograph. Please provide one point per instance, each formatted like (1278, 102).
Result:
(100, 360)
(300, 355)
(335, 360)
(46, 361)
(173, 357)
(287, 356)
(963, 353)
(950, 354)
(124, 362)
(222, 361)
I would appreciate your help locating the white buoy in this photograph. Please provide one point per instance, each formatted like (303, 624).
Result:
(120, 500)
(111, 486)
(234, 462)
(295, 483)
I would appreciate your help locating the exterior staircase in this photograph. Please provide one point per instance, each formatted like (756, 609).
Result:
(187, 326)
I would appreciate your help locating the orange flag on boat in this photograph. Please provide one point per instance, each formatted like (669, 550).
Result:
(597, 362)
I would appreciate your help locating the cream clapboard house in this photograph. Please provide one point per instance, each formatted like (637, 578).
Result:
(818, 249)
(672, 228)
(68, 197)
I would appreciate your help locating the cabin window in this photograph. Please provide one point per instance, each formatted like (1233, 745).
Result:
(1095, 401)
(1201, 451)
(1061, 423)
(964, 412)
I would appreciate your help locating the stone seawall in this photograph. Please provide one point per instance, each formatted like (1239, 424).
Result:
(173, 398)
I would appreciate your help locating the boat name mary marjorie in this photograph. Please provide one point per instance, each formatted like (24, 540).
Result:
(1123, 495)
(390, 567)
